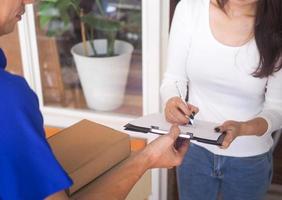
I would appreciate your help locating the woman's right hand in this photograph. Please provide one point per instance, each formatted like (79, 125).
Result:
(178, 112)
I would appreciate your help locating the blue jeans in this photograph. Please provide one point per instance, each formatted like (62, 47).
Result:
(206, 176)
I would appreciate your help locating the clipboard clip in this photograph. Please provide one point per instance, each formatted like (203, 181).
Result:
(157, 130)
(154, 130)
(186, 135)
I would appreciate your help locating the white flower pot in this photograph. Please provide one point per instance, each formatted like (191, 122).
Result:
(103, 79)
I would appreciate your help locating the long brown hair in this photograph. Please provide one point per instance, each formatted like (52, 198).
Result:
(268, 35)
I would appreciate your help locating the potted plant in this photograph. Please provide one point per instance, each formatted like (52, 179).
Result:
(102, 64)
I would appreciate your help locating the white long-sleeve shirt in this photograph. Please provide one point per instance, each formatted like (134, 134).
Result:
(220, 80)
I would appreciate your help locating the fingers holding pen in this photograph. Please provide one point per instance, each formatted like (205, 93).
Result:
(177, 111)
(193, 109)
(176, 116)
(170, 117)
(189, 111)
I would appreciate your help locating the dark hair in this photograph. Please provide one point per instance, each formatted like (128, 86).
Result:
(268, 36)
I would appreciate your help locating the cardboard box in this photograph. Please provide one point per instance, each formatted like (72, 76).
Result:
(141, 190)
(87, 149)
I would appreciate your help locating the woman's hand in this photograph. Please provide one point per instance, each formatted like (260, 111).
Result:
(231, 129)
(178, 112)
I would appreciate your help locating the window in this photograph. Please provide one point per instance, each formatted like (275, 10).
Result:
(63, 85)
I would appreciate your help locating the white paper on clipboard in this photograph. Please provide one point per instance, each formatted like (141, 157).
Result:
(202, 129)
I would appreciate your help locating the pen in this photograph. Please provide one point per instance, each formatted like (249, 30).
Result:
(191, 117)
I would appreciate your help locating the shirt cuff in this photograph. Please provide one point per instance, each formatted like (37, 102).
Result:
(273, 120)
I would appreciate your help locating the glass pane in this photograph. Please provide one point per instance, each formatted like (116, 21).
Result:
(13, 53)
(72, 80)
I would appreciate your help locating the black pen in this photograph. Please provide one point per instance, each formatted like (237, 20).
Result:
(186, 101)
(191, 117)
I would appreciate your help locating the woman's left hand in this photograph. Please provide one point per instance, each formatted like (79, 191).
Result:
(232, 129)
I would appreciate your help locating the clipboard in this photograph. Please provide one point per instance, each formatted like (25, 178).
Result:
(201, 131)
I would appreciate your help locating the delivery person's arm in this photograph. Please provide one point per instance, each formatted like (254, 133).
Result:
(161, 153)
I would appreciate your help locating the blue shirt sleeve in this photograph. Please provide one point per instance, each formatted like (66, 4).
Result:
(28, 168)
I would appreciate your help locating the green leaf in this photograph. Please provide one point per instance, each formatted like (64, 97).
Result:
(53, 11)
(101, 23)
(44, 21)
(55, 18)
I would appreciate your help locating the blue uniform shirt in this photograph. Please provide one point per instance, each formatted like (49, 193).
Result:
(28, 168)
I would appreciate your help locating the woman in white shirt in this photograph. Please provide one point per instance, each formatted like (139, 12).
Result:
(230, 53)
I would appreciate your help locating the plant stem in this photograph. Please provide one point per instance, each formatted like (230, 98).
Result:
(111, 43)
(100, 7)
(83, 34)
(92, 42)
(76, 9)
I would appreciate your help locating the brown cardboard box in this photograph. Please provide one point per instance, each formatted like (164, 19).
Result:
(87, 149)
(140, 191)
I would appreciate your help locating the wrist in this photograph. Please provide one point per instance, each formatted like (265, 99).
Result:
(148, 157)
(143, 161)
(257, 126)
(243, 128)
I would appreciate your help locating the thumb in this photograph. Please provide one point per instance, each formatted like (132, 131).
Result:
(174, 132)
(225, 125)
